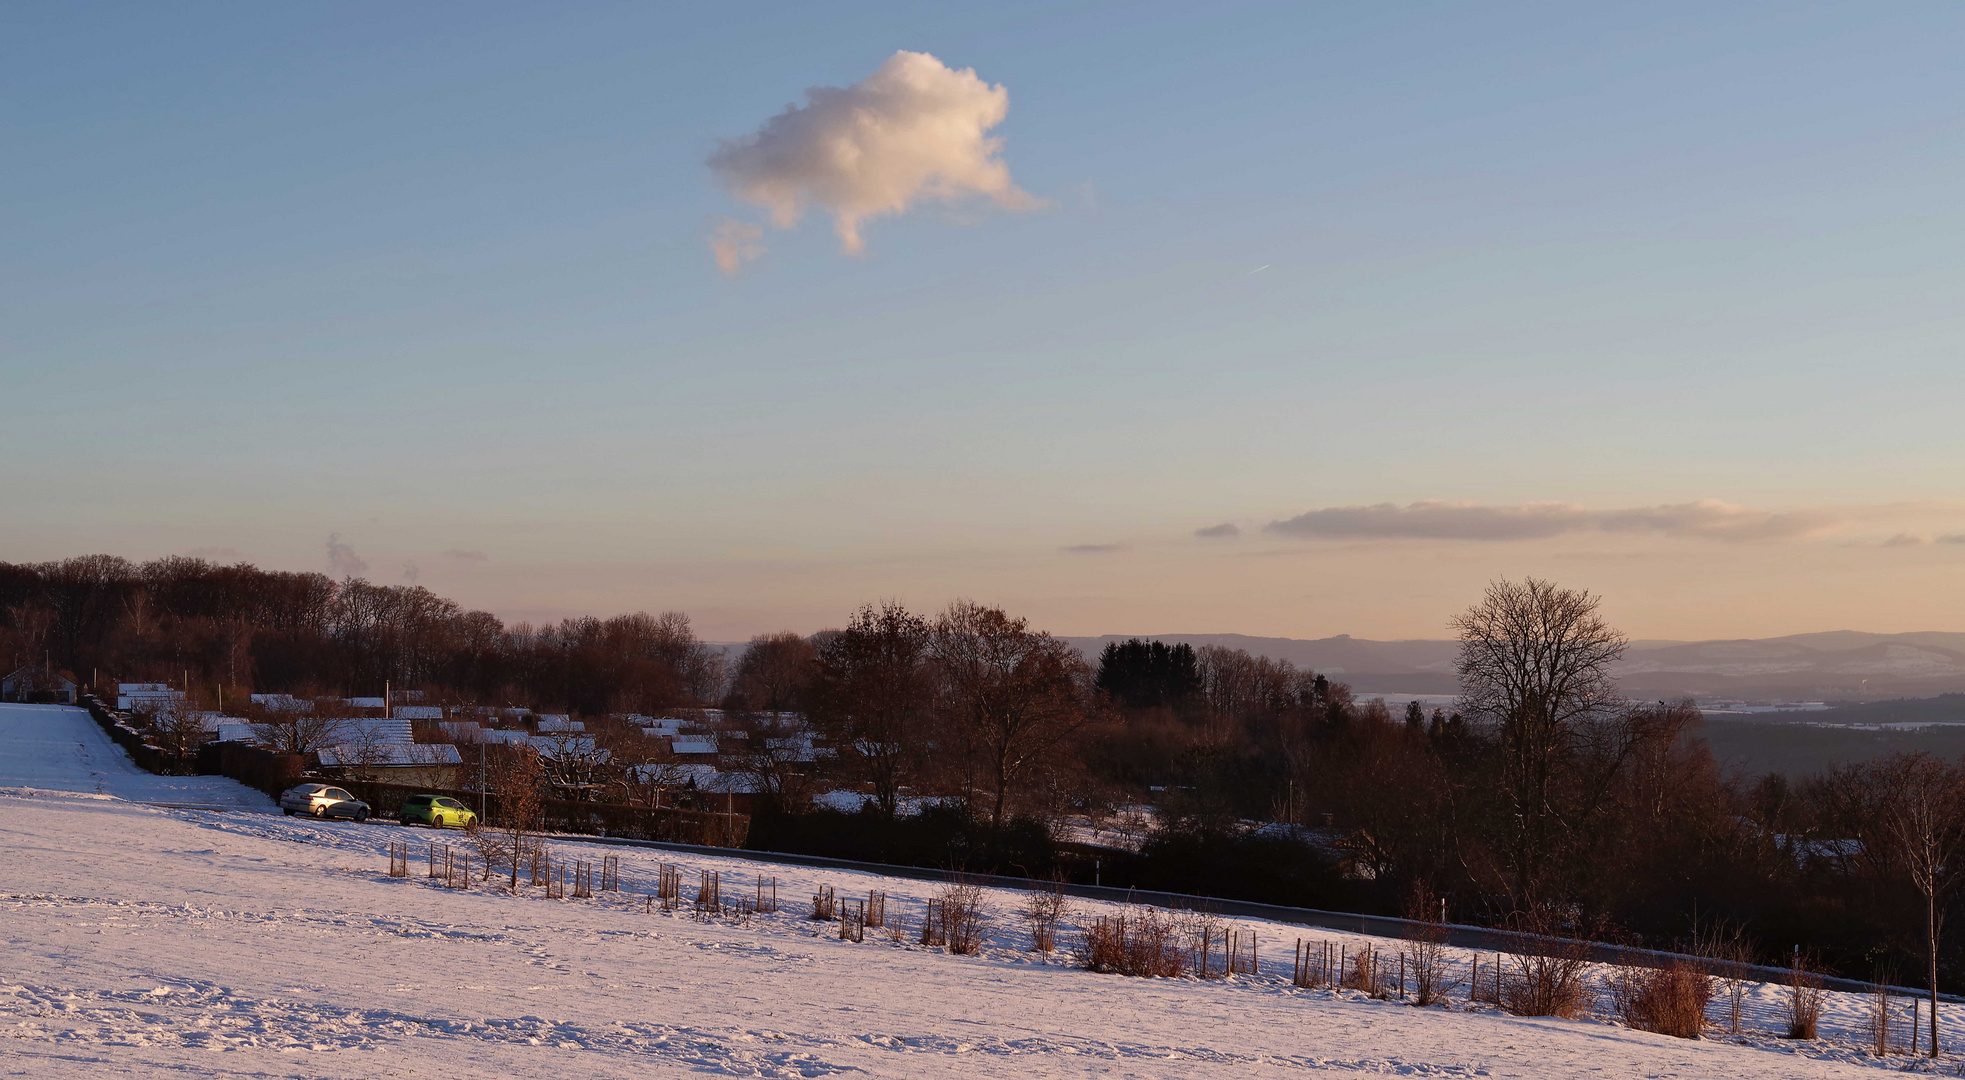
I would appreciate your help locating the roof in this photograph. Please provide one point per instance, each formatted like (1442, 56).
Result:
(392, 756)
(419, 712)
(692, 744)
(391, 730)
(699, 777)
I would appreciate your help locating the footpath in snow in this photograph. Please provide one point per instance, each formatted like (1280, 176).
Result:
(145, 941)
(59, 748)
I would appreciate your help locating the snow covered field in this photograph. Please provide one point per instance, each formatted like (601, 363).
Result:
(150, 941)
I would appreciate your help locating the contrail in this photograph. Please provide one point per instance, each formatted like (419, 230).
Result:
(1258, 270)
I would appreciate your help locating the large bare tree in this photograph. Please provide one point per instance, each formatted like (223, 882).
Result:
(1013, 694)
(772, 673)
(1535, 662)
(1920, 811)
(871, 694)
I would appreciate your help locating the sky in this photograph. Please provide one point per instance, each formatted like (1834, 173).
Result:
(1286, 320)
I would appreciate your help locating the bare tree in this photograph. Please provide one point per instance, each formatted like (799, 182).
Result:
(871, 693)
(1014, 694)
(179, 727)
(772, 673)
(295, 732)
(516, 778)
(1535, 660)
(1921, 810)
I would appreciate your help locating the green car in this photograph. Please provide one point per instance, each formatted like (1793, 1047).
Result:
(436, 811)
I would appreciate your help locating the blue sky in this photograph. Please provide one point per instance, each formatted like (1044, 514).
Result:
(437, 281)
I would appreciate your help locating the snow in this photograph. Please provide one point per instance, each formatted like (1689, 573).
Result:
(59, 748)
(145, 941)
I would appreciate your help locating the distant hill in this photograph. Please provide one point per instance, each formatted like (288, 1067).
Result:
(1836, 665)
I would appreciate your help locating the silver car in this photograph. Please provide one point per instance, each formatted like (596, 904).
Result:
(322, 801)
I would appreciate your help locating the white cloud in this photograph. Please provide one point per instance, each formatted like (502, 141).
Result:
(914, 129)
(1433, 520)
(735, 243)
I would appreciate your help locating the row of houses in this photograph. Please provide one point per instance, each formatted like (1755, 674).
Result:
(700, 753)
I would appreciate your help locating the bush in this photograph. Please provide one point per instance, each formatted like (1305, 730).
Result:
(1140, 942)
(962, 918)
(1669, 1000)
(1548, 967)
(1804, 1004)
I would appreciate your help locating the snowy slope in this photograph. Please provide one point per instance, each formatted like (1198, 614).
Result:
(59, 748)
(145, 941)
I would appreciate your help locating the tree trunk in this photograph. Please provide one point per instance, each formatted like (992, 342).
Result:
(1931, 943)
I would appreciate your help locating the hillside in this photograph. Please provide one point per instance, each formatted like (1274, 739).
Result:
(146, 941)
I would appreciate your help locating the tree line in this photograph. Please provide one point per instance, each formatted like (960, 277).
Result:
(1541, 789)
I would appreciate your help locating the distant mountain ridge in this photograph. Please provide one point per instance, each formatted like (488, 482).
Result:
(1837, 664)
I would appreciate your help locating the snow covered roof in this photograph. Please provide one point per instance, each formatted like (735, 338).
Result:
(283, 702)
(692, 744)
(419, 712)
(392, 755)
(148, 688)
(366, 702)
(560, 722)
(698, 777)
(394, 731)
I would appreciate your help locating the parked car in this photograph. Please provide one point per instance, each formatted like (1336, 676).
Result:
(436, 811)
(322, 801)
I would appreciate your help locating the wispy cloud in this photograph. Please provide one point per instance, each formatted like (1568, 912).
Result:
(1708, 519)
(914, 129)
(1906, 539)
(1225, 530)
(735, 243)
(1095, 549)
(342, 560)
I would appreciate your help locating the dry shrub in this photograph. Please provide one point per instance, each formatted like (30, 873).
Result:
(1804, 1003)
(1426, 959)
(1669, 1000)
(1203, 929)
(1548, 968)
(1362, 975)
(962, 918)
(1730, 956)
(1138, 941)
(1043, 909)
